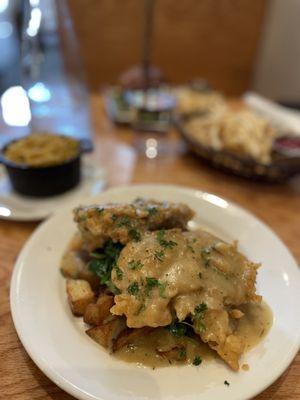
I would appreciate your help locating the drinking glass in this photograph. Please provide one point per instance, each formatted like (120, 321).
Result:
(52, 73)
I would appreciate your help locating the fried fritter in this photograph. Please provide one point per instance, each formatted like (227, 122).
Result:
(125, 222)
(172, 272)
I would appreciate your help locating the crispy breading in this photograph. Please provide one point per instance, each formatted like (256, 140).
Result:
(219, 336)
(125, 222)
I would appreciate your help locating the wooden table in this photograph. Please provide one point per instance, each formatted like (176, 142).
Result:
(278, 206)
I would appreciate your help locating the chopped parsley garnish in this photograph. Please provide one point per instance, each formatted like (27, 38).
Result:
(104, 260)
(160, 236)
(190, 248)
(197, 360)
(119, 272)
(152, 283)
(198, 317)
(114, 217)
(159, 255)
(161, 289)
(141, 308)
(182, 352)
(135, 265)
(124, 221)
(133, 288)
(205, 253)
(135, 235)
(177, 329)
(167, 244)
(226, 383)
(152, 210)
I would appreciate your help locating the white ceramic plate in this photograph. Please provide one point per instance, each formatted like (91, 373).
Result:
(21, 208)
(57, 343)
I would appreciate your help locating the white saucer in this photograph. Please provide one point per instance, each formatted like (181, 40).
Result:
(16, 207)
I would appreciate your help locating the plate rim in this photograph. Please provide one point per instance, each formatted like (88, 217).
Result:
(55, 377)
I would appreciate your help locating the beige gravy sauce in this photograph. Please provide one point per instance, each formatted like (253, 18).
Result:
(255, 324)
(149, 350)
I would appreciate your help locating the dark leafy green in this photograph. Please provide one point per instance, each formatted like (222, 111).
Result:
(152, 210)
(119, 272)
(134, 235)
(159, 255)
(133, 288)
(135, 265)
(197, 360)
(152, 283)
(104, 260)
(161, 289)
(182, 352)
(178, 329)
(167, 244)
(198, 317)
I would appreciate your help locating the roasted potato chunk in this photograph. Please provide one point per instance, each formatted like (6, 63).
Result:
(128, 336)
(80, 294)
(74, 265)
(71, 264)
(105, 334)
(177, 353)
(96, 314)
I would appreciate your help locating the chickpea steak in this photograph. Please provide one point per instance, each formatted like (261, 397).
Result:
(140, 279)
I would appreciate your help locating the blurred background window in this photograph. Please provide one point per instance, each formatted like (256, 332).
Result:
(278, 65)
(235, 44)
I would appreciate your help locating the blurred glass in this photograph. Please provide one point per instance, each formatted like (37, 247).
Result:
(9, 44)
(51, 70)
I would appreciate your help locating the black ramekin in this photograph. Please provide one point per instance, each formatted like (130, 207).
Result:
(45, 181)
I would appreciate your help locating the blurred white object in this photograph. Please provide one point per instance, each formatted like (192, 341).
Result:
(14, 98)
(283, 117)
(3, 5)
(277, 72)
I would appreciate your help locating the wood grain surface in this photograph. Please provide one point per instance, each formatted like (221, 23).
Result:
(116, 149)
(213, 39)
